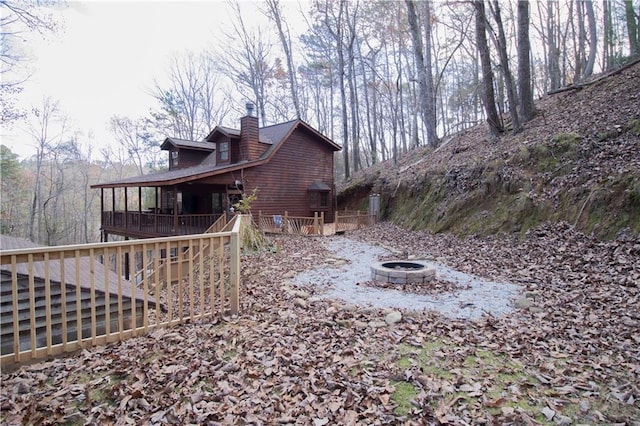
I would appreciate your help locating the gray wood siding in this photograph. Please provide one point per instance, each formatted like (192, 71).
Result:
(24, 306)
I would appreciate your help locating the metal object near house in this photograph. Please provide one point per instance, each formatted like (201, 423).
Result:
(403, 272)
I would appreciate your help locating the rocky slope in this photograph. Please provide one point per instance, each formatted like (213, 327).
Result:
(577, 161)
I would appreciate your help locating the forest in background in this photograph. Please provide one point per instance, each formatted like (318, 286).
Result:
(379, 78)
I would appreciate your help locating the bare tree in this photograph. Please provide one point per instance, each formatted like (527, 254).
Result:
(633, 22)
(423, 63)
(333, 22)
(191, 104)
(16, 19)
(593, 39)
(501, 46)
(132, 135)
(488, 94)
(47, 127)
(14, 193)
(275, 14)
(525, 90)
(249, 63)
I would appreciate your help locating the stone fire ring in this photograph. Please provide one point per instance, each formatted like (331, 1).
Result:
(403, 272)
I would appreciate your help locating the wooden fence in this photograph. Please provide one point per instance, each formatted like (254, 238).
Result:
(349, 220)
(60, 299)
(285, 224)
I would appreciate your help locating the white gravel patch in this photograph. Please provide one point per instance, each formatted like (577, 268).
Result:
(341, 282)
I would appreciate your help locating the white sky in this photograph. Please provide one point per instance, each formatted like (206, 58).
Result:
(107, 56)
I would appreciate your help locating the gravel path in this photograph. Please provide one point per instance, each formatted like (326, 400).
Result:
(341, 282)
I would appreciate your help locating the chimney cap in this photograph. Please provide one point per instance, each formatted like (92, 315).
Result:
(250, 107)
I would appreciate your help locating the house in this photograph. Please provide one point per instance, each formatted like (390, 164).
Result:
(289, 165)
(74, 274)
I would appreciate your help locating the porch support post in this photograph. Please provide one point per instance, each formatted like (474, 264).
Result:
(113, 201)
(156, 210)
(175, 210)
(126, 207)
(139, 207)
(102, 208)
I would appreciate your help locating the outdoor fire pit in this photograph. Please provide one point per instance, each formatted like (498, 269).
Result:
(403, 272)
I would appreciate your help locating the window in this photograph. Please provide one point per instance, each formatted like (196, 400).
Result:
(324, 199)
(224, 151)
(174, 158)
(319, 199)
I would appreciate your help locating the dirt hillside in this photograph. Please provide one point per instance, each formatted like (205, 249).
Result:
(577, 161)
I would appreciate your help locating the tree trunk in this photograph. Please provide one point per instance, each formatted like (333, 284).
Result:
(593, 39)
(504, 62)
(431, 123)
(607, 40)
(554, 52)
(527, 106)
(425, 78)
(632, 28)
(488, 95)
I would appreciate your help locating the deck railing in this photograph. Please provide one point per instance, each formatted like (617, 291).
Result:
(157, 224)
(349, 220)
(285, 224)
(60, 299)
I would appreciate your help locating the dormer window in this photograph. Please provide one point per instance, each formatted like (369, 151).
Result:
(224, 151)
(174, 158)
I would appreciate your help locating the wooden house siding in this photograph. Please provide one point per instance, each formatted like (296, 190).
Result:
(283, 183)
(187, 158)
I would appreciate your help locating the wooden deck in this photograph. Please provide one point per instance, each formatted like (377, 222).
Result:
(150, 225)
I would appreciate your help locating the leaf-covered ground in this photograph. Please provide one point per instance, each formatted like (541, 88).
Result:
(569, 354)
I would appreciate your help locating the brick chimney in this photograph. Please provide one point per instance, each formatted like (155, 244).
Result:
(250, 148)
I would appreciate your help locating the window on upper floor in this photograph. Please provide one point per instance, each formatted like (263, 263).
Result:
(174, 158)
(224, 151)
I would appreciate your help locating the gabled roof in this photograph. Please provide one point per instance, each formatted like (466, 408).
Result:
(184, 143)
(86, 270)
(274, 135)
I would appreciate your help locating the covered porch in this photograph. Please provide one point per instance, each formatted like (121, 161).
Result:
(161, 211)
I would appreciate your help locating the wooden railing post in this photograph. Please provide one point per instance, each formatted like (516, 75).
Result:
(315, 223)
(234, 268)
(285, 229)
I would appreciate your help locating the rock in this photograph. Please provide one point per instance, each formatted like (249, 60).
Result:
(349, 308)
(562, 420)
(289, 275)
(331, 310)
(300, 302)
(584, 406)
(359, 324)
(20, 388)
(548, 413)
(344, 323)
(377, 324)
(300, 294)
(393, 317)
(524, 303)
